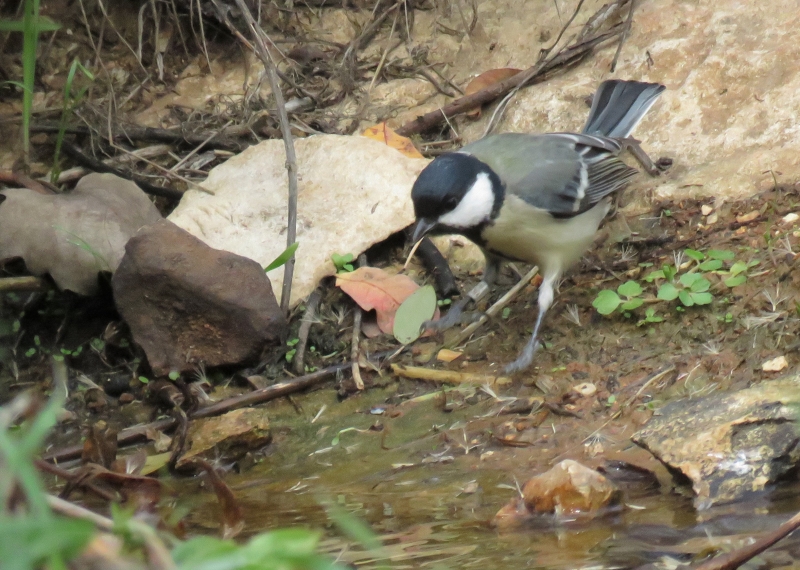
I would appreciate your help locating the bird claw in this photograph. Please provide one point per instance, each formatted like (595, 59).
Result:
(452, 318)
(524, 360)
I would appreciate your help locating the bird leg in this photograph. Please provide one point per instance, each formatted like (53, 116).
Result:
(635, 148)
(478, 292)
(546, 295)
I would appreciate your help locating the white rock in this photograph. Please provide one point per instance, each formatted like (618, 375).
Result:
(729, 115)
(790, 218)
(705, 209)
(775, 365)
(353, 192)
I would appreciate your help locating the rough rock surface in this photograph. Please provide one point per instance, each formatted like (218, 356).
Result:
(187, 303)
(729, 115)
(75, 235)
(569, 489)
(353, 192)
(230, 435)
(729, 445)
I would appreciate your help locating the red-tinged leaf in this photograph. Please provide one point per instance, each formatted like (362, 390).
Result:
(487, 79)
(374, 288)
(381, 132)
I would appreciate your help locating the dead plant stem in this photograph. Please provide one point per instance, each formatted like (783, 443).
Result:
(260, 38)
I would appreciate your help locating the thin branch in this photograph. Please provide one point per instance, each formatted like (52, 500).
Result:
(261, 39)
(138, 433)
(537, 73)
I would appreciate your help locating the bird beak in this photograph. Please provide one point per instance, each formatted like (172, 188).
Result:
(423, 227)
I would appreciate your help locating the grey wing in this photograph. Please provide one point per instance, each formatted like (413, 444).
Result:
(563, 173)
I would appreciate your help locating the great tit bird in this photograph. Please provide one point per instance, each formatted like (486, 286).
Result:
(535, 198)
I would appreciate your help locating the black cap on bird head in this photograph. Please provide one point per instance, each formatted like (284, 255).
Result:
(445, 183)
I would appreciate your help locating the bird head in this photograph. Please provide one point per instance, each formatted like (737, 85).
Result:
(455, 191)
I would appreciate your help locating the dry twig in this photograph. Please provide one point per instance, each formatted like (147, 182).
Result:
(262, 51)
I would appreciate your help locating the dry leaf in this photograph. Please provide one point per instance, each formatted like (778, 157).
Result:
(381, 132)
(487, 79)
(447, 355)
(373, 288)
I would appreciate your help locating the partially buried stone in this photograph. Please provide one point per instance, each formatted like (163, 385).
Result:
(729, 445)
(187, 303)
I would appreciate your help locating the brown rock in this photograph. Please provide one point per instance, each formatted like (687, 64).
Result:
(729, 445)
(567, 490)
(187, 303)
(230, 435)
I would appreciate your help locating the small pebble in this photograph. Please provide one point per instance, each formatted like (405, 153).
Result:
(126, 398)
(585, 389)
(791, 218)
(748, 217)
(775, 365)
(706, 209)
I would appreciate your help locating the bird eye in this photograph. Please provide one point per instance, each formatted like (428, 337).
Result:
(450, 202)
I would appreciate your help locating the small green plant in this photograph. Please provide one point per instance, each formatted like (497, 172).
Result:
(650, 317)
(626, 298)
(31, 26)
(71, 100)
(144, 379)
(343, 263)
(687, 281)
(291, 343)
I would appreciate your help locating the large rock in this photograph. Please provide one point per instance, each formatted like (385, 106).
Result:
(729, 445)
(75, 235)
(353, 192)
(729, 115)
(187, 303)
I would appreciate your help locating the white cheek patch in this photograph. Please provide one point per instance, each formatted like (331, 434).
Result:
(475, 207)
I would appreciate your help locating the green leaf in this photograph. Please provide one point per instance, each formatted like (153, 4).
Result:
(711, 265)
(686, 298)
(634, 303)
(630, 289)
(606, 302)
(653, 275)
(415, 310)
(30, 352)
(721, 254)
(667, 292)
(669, 271)
(342, 262)
(738, 267)
(700, 285)
(30, 540)
(735, 281)
(144, 379)
(282, 258)
(174, 375)
(694, 254)
(701, 298)
(688, 279)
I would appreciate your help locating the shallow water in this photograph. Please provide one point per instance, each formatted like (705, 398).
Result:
(436, 514)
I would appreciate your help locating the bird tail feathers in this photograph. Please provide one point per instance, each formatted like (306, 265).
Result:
(618, 106)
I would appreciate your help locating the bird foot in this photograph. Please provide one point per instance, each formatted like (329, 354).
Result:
(524, 360)
(454, 316)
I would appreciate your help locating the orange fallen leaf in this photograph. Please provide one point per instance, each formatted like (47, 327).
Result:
(487, 79)
(381, 132)
(374, 288)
